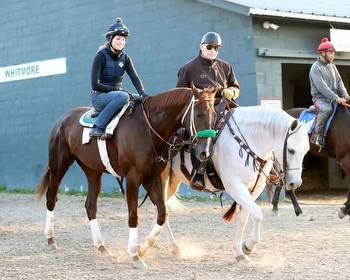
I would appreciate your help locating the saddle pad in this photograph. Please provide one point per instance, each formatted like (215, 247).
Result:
(109, 129)
(308, 117)
(87, 121)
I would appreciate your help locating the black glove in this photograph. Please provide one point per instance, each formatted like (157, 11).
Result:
(143, 95)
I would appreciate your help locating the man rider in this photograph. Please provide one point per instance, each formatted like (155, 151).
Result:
(326, 87)
(205, 71)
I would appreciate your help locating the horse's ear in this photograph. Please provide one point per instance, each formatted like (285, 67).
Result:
(196, 91)
(193, 87)
(215, 89)
(294, 125)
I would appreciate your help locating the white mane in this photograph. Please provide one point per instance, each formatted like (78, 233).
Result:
(255, 118)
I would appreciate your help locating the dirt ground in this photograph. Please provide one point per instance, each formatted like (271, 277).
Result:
(313, 246)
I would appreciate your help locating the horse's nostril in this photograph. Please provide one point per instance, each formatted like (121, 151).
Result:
(291, 184)
(203, 156)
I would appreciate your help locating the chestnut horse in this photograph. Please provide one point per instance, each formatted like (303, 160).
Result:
(138, 151)
(337, 146)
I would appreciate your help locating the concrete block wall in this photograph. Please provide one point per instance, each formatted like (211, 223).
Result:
(164, 35)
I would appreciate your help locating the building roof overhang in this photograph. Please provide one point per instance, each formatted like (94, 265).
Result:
(247, 10)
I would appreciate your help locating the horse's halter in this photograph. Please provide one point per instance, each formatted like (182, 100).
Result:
(205, 133)
(208, 134)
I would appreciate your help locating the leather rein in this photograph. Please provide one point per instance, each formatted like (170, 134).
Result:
(178, 146)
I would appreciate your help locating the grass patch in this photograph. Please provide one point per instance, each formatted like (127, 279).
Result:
(114, 194)
(4, 189)
(200, 198)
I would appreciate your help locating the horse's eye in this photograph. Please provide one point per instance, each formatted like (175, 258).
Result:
(291, 151)
(199, 115)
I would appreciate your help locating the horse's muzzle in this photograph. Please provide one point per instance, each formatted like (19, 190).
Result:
(203, 156)
(205, 150)
(293, 185)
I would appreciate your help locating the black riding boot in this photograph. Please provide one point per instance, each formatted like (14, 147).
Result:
(197, 176)
(96, 132)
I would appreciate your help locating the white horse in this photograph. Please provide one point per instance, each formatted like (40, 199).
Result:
(269, 134)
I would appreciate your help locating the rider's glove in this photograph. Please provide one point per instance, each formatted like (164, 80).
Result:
(230, 93)
(143, 95)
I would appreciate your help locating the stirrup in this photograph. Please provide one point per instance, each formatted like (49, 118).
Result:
(197, 182)
(319, 141)
(96, 132)
(106, 136)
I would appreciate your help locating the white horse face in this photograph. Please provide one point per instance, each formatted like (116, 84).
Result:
(295, 150)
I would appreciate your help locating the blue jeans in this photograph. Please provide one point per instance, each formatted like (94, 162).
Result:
(324, 110)
(108, 104)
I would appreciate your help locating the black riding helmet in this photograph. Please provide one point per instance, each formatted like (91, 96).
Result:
(211, 38)
(117, 28)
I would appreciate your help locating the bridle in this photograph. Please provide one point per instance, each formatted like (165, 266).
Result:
(258, 162)
(282, 171)
(194, 134)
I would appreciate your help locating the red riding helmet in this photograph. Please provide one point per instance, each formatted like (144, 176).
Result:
(325, 46)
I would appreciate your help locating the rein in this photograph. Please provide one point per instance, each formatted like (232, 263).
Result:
(194, 134)
(258, 162)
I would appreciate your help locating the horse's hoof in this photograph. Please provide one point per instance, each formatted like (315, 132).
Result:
(157, 245)
(275, 213)
(178, 252)
(246, 250)
(52, 245)
(243, 259)
(138, 263)
(103, 250)
(341, 213)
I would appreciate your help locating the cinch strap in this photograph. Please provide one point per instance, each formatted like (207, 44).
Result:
(206, 133)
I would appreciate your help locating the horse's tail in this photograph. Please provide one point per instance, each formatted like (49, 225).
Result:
(44, 182)
(59, 159)
(229, 215)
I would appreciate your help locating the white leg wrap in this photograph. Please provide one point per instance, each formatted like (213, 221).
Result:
(50, 224)
(132, 245)
(96, 233)
(153, 235)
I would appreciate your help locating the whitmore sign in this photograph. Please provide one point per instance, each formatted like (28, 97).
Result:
(33, 70)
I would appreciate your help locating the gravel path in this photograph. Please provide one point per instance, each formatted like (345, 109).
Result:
(313, 246)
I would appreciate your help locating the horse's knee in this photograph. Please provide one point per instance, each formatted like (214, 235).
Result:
(257, 215)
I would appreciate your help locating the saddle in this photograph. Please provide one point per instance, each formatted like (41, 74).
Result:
(308, 117)
(87, 120)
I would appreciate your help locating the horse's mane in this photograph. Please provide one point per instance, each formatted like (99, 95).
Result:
(266, 117)
(172, 97)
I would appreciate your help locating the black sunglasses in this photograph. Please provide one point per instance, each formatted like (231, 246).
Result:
(215, 47)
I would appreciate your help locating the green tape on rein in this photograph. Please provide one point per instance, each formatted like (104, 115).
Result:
(206, 133)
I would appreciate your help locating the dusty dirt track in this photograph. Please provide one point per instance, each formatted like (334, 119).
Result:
(314, 246)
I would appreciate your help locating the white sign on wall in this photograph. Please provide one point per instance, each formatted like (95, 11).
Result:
(33, 70)
(273, 102)
(340, 38)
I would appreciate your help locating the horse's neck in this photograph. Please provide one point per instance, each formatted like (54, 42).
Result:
(168, 119)
(263, 136)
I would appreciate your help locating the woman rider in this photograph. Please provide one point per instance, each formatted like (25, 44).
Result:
(107, 73)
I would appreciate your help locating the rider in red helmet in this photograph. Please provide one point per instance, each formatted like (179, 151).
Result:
(327, 87)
